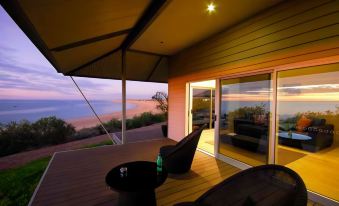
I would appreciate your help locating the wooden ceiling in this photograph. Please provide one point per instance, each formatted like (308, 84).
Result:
(86, 38)
(185, 22)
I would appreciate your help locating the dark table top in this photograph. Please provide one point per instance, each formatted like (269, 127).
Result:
(141, 176)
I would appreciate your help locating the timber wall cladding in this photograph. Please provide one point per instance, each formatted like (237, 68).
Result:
(292, 31)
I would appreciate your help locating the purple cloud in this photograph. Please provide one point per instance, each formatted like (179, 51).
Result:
(26, 74)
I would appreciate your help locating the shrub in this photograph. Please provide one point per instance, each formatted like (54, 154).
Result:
(144, 119)
(114, 125)
(16, 137)
(51, 130)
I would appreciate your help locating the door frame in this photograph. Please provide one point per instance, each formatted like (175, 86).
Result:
(188, 107)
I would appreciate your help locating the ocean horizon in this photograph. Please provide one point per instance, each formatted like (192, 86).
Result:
(285, 109)
(32, 110)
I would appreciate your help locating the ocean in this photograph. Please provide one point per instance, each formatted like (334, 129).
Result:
(32, 110)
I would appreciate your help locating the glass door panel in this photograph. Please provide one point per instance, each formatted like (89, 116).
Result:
(245, 118)
(308, 126)
(202, 108)
(202, 104)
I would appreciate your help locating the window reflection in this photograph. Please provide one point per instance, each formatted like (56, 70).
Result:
(308, 125)
(245, 118)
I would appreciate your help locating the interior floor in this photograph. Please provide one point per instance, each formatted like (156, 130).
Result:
(319, 170)
(206, 141)
(243, 155)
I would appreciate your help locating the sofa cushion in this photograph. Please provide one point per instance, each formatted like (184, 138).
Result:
(303, 123)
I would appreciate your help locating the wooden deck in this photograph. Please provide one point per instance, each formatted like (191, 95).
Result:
(77, 177)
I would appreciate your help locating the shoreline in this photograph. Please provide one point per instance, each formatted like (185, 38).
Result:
(141, 106)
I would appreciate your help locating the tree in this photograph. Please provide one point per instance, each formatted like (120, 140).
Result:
(162, 99)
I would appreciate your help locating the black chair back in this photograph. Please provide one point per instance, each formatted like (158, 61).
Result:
(179, 160)
(261, 186)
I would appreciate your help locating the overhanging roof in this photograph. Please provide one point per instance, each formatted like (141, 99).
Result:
(87, 38)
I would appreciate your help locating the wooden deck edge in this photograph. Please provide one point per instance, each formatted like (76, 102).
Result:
(40, 181)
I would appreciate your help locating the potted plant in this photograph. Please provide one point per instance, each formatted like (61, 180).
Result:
(162, 99)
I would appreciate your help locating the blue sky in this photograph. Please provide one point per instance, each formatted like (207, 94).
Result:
(26, 74)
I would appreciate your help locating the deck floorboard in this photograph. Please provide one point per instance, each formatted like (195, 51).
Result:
(78, 177)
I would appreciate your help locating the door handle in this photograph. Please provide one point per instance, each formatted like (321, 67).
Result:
(214, 117)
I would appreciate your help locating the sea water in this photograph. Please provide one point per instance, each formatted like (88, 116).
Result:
(32, 110)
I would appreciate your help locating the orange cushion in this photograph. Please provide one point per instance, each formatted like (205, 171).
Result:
(303, 123)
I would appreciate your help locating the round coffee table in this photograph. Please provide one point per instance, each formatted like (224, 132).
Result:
(137, 187)
(294, 140)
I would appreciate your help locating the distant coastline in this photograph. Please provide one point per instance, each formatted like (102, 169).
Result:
(76, 112)
(141, 106)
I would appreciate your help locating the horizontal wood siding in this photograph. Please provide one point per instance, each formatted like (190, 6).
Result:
(291, 32)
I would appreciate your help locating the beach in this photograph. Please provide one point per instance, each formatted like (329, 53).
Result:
(141, 106)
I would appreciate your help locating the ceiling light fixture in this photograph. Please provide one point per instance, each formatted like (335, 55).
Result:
(211, 7)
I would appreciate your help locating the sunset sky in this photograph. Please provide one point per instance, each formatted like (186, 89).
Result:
(26, 74)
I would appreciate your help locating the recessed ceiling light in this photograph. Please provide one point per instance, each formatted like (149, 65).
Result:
(211, 7)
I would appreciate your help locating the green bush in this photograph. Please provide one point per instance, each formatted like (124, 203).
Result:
(144, 119)
(16, 137)
(114, 125)
(20, 136)
(51, 130)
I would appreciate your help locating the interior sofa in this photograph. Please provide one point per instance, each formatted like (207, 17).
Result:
(321, 135)
(248, 135)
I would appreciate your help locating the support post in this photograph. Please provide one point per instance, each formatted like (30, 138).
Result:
(272, 147)
(123, 82)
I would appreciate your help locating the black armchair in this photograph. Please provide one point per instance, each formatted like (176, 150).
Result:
(178, 158)
(261, 186)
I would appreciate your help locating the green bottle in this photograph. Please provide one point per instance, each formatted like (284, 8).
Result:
(290, 134)
(159, 163)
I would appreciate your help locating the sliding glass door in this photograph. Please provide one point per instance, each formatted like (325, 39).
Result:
(245, 118)
(305, 133)
(308, 126)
